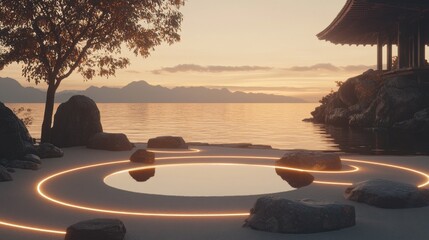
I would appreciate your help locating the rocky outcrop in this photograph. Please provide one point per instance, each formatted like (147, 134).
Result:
(47, 150)
(143, 156)
(374, 101)
(29, 165)
(312, 160)
(75, 122)
(388, 194)
(15, 140)
(97, 229)
(4, 174)
(419, 123)
(110, 142)
(167, 142)
(304, 216)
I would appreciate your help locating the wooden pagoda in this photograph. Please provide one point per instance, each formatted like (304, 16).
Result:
(404, 23)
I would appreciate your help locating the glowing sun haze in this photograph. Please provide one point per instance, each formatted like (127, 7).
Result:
(265, 46)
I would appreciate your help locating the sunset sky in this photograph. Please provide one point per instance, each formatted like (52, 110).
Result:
(250, 45)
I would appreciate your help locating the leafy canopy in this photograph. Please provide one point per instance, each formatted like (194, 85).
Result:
(53, 38)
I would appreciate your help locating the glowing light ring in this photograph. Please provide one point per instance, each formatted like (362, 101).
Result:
(32, 228)
(393, 166)
(44, 195)
(190, 150)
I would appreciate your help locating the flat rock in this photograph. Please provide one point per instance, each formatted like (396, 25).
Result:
(47, 150)
(110, 142)
(20, 164)
(388, 194)
(4, 175)
(167, 142)
(75, 122)
(97, 229)
(32, 158)
(143, 156)
(313, 160)
(303, 216)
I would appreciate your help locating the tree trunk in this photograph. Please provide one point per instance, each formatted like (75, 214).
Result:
(49, 110)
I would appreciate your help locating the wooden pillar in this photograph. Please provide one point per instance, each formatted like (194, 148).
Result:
(403, 46)
(421, 55)
(389, 54)
(379, 53)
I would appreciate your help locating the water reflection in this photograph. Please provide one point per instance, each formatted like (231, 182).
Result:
(370, 141)
(142, 175)
(293, 178)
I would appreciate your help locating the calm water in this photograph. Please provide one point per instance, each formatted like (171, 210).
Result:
(201, 180)
(279, 125)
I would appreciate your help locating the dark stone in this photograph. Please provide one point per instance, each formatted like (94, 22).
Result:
(47, 150)
(418, 124)
(15, 140)
(4, 175)
(304, 216)
(387, 194)
(75, 122)
(142, 175)
(294, 178)
(20, 164)
(32, 158)
(143, 156)
(97, 229)
(11, 170)
(313, 160)
(167, 142)
(338, 117)
(110, 142)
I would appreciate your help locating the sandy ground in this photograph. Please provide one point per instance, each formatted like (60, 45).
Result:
(21, 204)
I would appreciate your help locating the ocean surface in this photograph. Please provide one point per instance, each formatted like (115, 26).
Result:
(278, 125)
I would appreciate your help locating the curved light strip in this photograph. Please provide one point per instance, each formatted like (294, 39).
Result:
(32, 228)
(190, 150)
(393, 166)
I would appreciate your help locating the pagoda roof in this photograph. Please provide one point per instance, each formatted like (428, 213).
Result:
(361, 21)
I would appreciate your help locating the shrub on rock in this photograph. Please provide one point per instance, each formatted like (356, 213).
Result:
(110, 142)
(304, 216)
(167, 142)
(388, 194)
(75, 122)
(97, 229)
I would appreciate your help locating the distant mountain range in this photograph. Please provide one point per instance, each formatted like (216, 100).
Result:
(139, 92)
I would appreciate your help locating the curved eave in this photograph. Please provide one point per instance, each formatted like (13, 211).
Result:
(361, 21)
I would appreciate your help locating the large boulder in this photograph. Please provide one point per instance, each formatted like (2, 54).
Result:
(110, 142)
(418, 124)
(167, 142)
(311, 160)
(387, 194)
(143, 156)
(4, 174)
(304, 216)
(75, 122)
(398, 100)
(15, 140)
(47, 150)
(361, 89)
(97, 229)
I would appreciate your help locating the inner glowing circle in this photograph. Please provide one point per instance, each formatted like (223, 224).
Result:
(200, 180)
